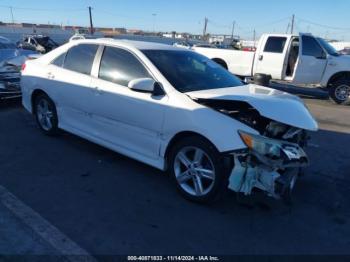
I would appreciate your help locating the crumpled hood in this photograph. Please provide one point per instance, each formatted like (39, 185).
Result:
(270, 103)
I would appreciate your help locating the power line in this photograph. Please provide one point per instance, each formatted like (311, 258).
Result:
(41, 9)
(324, 26)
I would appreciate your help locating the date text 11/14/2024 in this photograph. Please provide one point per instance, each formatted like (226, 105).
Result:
(173, 258)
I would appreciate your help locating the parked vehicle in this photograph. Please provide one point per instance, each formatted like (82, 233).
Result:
(205, 45)
(345, 51)
(298, 59)
(39, 43)
(82, 36)
(183, 44)
(11, 60)
(173, 109)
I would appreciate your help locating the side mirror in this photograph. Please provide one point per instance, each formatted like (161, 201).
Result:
(146, 85)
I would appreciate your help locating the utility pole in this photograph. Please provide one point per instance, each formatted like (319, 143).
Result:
(254, 36)
(91, 24)
(233, 29)
(205, 27)
(13, 20)
(154, 23)
(292, 28)
(288, 28)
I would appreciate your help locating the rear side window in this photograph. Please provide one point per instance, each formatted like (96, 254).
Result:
(59, 60)
(311, 47)
(275, 44)
(120, 66)
(80, 58)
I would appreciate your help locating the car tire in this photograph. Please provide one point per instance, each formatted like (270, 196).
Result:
(339, 91)
(221, 63)
(46, 115)
(199, 171)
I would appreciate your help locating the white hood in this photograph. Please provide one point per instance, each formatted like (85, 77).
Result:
(273, 104)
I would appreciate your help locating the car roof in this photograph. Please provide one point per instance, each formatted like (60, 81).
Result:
(140, 45)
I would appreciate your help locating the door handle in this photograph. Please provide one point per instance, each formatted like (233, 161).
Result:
(261, 57)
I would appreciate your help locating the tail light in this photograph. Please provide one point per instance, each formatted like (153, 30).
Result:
(23, 67)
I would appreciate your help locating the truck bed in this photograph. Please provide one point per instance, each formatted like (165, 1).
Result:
(239, 62)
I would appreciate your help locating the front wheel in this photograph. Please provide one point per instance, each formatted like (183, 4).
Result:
(198, 170)
(339, 91)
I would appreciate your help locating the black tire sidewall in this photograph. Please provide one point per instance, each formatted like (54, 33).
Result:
(221, 169)
(54, 130)
(333, 88)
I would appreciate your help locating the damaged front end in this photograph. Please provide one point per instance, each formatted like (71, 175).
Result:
(268, 164)
(272, 160)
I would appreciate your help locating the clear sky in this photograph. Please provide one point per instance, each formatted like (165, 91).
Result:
(322, 17)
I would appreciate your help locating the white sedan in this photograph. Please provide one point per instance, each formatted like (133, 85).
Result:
(173, 109)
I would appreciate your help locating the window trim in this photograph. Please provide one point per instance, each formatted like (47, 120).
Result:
(98, 60)
(284, 47)
(73, 46)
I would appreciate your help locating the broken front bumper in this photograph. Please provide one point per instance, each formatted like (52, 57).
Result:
(276, 177)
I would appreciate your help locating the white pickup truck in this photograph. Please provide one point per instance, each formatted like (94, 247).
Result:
(298, 59)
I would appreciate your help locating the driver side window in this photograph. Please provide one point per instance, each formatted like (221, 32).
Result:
(311, 47)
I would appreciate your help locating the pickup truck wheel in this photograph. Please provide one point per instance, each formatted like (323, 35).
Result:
(198, 170)
(221, 62)
(339, 91)
(46, 114)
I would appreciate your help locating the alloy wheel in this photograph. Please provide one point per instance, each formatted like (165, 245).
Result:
(342, 92)
(45, 114)
(194, 171)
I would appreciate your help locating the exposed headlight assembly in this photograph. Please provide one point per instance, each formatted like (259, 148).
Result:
(271, 148)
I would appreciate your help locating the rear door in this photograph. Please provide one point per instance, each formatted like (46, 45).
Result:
(70, 77)
(312, 61)
(270, 57)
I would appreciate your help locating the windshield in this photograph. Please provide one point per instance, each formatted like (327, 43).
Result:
(329, 48)
(188, 71)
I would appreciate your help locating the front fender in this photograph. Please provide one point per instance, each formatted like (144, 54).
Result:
(219, 129)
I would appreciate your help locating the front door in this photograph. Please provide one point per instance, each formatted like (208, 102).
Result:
(312, 61)
(128, 119)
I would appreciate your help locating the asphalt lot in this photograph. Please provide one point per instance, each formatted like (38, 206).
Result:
(109, 204)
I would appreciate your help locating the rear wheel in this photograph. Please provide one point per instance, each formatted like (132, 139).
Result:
(46, 115)
(198, 170)
(339, 91)
(221, 62)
